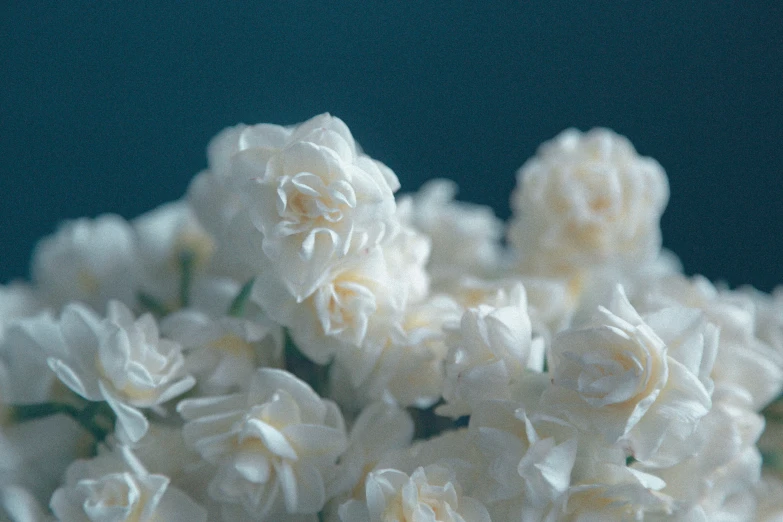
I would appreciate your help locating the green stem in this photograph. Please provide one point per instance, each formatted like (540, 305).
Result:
(157, 308)
(186, 259)
(237, 308)
(26, 412)
(88, 417)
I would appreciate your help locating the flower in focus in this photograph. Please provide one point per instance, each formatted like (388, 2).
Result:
(528, 457)
(619, 377)
(357, 295)
(115, 487)
(318, 199)
(274, 447)
(120, 360)
(429, 493)
(491, 349)
(585, 200)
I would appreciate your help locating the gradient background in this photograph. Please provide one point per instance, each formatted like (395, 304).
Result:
(108, 106)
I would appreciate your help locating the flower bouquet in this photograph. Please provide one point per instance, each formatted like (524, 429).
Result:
(292, 342)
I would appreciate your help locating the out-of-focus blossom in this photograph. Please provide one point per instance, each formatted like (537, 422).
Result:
(586, 200)
(87, 260)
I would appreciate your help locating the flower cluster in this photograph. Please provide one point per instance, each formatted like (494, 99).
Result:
(291, 341)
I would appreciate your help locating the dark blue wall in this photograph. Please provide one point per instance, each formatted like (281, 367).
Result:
(108, 106)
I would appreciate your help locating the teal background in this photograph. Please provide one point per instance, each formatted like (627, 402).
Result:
(108, 106)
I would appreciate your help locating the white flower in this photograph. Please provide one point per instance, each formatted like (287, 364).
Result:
(465, 236)
(744, 360)
(586, 200)
(430, 493)
(491, 348)
(351, 305)
(528, 458)
(24, 375)
(619, 494)
(728, 464)
(317, 200)
(168, 238)
(378, 429)
(219, 199)
(407, 368)
(551, 301)
(120, 360)
(619, 377)
(274, 447)
(17, 300)
(34, 454)
(406, 255)
(87, 260)
(116, 487)
(224, 353)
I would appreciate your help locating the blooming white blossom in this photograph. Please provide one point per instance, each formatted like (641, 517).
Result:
(175, 258)
(120, 360)
(550, 301)
(87, 260)
(465, 236)
(318, 199)
(744, 359)
(576, 376)
(618, 376)
(492, 348)
(274, 448)
(218, 196)
(620, 494)
(379, 429)
(116, 487)
(528, 457)
(429, 493)
(35, 454)
(728, 464)
(222, 354)
(407, 369)
(586, 200)
(350, 305)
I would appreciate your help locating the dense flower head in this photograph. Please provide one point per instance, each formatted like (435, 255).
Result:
(291, 342)
(619, 376)
(120, 360)
(318, 199)
(587, 199)
(116, 487)
(274, 448)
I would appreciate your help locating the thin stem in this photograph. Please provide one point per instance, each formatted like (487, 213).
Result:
(86, 417)
(186, 259)
(157, 308)
(237, 308)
